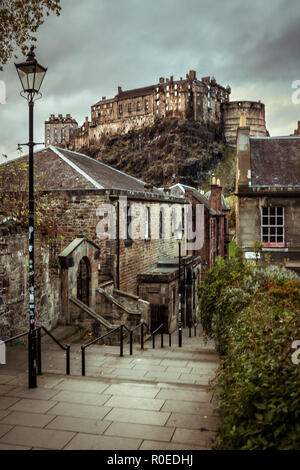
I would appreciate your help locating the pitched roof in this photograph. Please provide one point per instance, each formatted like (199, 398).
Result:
(275, 161)
(58, 168)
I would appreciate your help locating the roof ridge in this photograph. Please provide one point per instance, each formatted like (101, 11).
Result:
(75, 167)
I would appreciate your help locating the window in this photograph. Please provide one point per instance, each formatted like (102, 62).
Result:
(120, 109)
(138, 106)
(272, 227)
(147, 223)
(128, 223)
(161, 222)
(129, 107)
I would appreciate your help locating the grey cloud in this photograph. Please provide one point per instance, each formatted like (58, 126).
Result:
(96, 45)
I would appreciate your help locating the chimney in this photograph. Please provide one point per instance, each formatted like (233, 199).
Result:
(192, 74)
(161, 80)
(243, 174)
(104, 97)
(171, 78)
(216, 195)
(119, 90)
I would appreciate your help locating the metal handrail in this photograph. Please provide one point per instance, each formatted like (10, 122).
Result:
(162, 335)
(66, 348)
(83, 348)
(39, 347)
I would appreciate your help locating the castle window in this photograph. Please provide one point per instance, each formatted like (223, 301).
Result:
(272, 227)
(168, 94)
(138, 106)
(157, 96)
(175, 86)
(120, 109)
(129, 107)
(167, 87)
(209, 105)
(157, 103)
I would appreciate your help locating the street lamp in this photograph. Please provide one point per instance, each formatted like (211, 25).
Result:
(31, 75)
(179, 238)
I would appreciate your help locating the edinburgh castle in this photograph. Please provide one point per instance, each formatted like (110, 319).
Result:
(188, 98)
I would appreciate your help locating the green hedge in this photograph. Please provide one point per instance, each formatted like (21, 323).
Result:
(253, 314)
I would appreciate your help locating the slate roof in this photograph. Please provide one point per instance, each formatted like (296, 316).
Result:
(58, 168)
(275, 161)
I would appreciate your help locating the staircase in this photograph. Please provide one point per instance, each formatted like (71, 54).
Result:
(91, 312)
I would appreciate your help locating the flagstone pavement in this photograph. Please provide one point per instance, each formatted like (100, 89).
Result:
(156, 399)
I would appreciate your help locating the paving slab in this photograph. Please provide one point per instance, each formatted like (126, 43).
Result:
(138, 390)
(135, 403)
(185, 395)
(33, 393)
(142, 431)
(45, 438)
(187, 407)
(194, 437)
(86, 398)
(4, 428)
(89, 442)
(6, 402)
(79, 410)
(138, 416)
(82, 425)
(191, 421)
(32, 406)
(20, 418)
(13, 447)
(83, 385)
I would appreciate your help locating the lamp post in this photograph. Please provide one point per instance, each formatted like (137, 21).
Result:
(31, 75)
(179, 238)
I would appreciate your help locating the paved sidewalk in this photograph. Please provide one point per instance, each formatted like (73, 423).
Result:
(154, 400)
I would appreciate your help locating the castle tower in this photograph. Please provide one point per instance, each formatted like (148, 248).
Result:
(241, 114)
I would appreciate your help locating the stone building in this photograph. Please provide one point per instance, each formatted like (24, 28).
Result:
(59, 130)
(215, 221)
(111, 232)
(268, 196)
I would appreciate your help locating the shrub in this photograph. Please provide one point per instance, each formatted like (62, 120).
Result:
(254, 322)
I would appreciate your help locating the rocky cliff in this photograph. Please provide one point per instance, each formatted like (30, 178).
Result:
(171, 151)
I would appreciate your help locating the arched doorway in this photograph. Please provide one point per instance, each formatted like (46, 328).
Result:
(83, 280)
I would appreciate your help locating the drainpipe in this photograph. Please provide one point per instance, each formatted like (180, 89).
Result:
(118, 245)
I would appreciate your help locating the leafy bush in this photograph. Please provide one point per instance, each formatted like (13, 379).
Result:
(254, 322)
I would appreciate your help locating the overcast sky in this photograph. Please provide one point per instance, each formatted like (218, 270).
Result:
(96, 45)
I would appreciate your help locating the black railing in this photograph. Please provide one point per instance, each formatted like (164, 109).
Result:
(160, 329)
(83, 348)
(39, 347)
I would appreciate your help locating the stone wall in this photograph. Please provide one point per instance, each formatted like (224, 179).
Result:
(76, 213)
(14, 299)
(119, 126)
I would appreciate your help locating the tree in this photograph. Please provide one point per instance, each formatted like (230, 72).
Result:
(19, 21)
